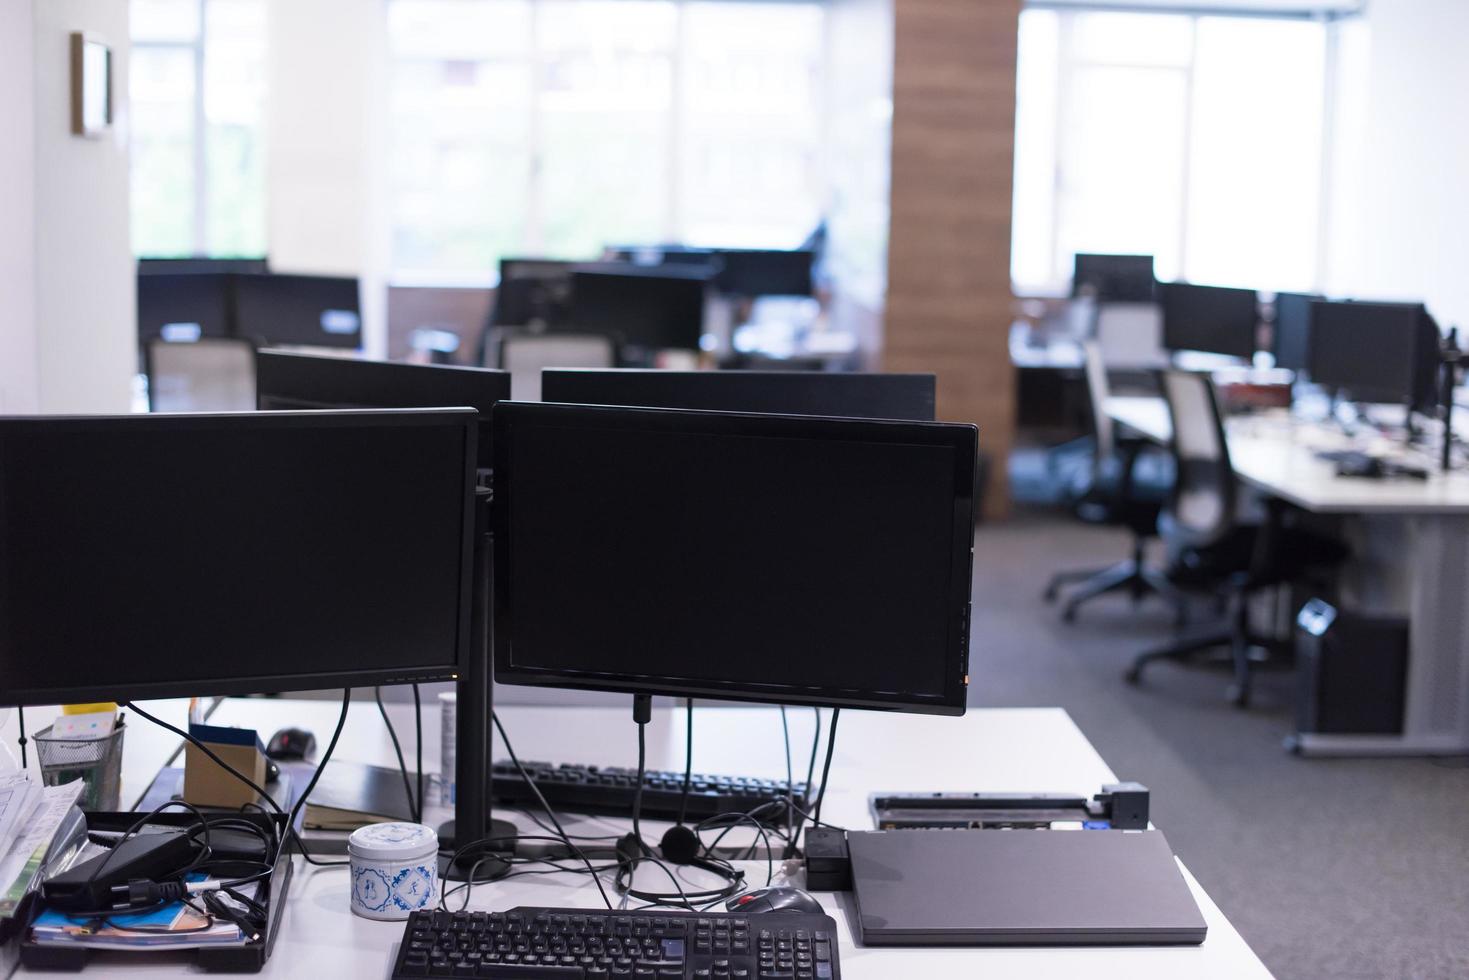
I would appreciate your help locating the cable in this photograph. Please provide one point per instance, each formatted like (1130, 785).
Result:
(831, 741)
(291, 821)
(632, 851)
(20, 714)
(540, 798)
(637, 795)
(791, 848)
(785, 730)
(418, 743)
(414, 810)
(688, 759)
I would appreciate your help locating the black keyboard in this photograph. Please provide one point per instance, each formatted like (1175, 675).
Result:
(579, 944)
(609, 790)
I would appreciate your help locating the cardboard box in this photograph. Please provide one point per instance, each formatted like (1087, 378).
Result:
(206, 783)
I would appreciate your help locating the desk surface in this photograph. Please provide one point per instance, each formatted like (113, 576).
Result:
(1030, 749)
(1278, 456)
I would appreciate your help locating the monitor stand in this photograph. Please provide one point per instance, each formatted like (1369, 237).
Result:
(482, 853)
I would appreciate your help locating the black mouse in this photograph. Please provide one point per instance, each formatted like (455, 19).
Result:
(291, 743)
(774, 900)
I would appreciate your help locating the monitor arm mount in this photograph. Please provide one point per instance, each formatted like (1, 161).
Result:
(473, 838)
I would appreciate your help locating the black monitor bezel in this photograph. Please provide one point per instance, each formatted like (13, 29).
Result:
(629, 378)
(243, 283)
(1175, 337)
(1423, 357)
(246, 683)
(961, 437)
(325, 381)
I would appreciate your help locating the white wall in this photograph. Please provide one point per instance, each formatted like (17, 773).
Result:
(85, 306)
(18, 365)
(325, 114)
(1401, 228)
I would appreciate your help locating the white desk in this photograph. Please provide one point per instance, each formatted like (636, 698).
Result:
(1410, 556)
(1030, 749)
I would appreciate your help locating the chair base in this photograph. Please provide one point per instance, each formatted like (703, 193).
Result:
(1132, 576)
(1245, 648)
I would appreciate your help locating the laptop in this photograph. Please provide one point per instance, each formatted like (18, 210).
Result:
(1020, 888)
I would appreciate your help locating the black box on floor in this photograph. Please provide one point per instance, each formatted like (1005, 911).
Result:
(1353, 671)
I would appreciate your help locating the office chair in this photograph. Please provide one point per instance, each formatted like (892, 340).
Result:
(524, 355)
(1112, 493)
(205, 375)
(1130, 336)
(1214, 550)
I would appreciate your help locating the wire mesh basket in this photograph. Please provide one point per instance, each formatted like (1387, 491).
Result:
(96, 760)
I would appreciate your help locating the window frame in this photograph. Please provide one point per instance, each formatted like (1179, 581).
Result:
(675, 146)
(1070, 61)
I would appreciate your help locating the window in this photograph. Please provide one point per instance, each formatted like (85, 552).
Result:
(1196, 139)
(197, 99)
(559, 126)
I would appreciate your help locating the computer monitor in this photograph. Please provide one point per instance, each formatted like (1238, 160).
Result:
(661, 255)
(1291, 340)
(289, 380)
(198, 263)
(835, 394)
(1114, 278)
(531, 291)
(184, 306)
(750, 557)
(1375, 352)
(764, 272)
(655, 309)
(305, 311)
(233, 553)
(1213, 319)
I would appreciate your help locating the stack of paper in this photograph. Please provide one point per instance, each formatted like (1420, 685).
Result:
(19, 797)
(23, 862)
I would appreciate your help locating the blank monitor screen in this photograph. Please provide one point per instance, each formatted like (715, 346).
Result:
(655, 310)
(838, 394)
(1292, 332)
(307, 311)
(183, 306)
(286, 380)
(765, 272)
(1114, 278)
(177, 555)
(752, 557)
(1215, 319)
(531, 291)
(1374, 352)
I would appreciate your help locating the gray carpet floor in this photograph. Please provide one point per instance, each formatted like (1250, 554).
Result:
(1344, 869)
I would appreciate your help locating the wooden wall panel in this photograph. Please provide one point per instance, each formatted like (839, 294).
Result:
(948, 296)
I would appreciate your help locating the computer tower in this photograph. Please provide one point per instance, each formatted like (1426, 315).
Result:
(1352, 671)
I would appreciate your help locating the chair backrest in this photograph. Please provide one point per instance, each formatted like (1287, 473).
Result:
(205, 375)
(1201, 509)
(1097, 390)
(1130, 335)
(526, 355)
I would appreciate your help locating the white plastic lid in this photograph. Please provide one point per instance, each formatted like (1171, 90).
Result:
(392, 841)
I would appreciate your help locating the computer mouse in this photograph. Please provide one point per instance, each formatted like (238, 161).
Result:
(291, 743)
(774, 900)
